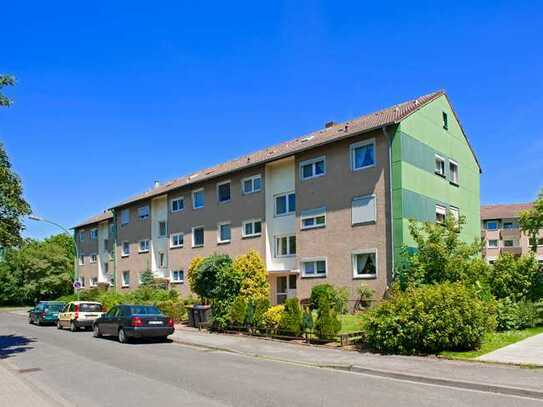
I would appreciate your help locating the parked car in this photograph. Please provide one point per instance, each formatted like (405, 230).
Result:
(45, 312)
(134, 321)
(79, 314)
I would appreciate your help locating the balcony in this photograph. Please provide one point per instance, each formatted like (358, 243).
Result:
(510, 234)
(514, 250)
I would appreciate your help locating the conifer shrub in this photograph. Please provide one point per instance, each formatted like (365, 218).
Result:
(291, 322)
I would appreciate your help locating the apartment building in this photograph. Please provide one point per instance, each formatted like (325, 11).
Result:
(331, 206)
(501, 232)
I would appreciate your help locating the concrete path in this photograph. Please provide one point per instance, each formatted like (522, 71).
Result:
(528, 352)
(472, 375)
(15, 392)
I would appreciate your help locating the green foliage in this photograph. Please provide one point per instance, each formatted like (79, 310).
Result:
(273, 316)
(111, 298)
(37, 270)
(307, 320)
(428, 320)
(366, 294)
(531, 221)
(147, 278)
(12, 204)
(5, 80)
(336, 297)
(327, 325)
(441, 256)
(291, 322)
(193, 273)
(515, 277)
(254, 278)
(172, 309)
(206, 275)
(238, 310)
(256, 309)
(519, 315)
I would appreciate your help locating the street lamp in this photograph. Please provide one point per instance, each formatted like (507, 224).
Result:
(65, 230)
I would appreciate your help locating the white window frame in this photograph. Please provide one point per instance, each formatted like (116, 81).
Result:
(313, 260)
(441, 210)
(93, 258)
(363, 143)
(514, 242)
(165, 229)
(219, 240)
(162, 259)
(178, 199)
(360, 198)
(252, 179)
(492, 247)
(146, 250)
(123, 253)
(457, 180)
(145, 210)
(455, 212)
(313, 163)
(172, 236)
(442, 160)
(177, 281)
(277, 245)
(194, 192)
(93, 234)
(314, 217)
(219, 184)
(125, 216)
(192, 235)
(125, 283)
(289, 211)
(81, 260)
(253, 222)
(365, 251)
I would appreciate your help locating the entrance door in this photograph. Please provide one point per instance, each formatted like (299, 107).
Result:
(286, 288)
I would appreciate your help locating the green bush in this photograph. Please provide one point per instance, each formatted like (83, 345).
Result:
(515, 277)
(429, 319)
(291, 322)
(336, 297)
(111, 298)
(327, 325)
(172, 309)
(256, 309)
(516, 315)
(238, 311)
(273, 316)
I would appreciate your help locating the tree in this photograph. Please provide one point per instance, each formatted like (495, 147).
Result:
(440, 255)
(12, 204)
(254, 284)
(531, 221)
(516, 278)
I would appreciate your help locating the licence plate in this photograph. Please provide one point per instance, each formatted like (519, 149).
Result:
(155, 322)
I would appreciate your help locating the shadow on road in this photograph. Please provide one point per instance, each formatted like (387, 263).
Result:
(13, 344)
(137, 341)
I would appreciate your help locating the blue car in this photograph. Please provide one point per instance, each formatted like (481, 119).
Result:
(45, 312)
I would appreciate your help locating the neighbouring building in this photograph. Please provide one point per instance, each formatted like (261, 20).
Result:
(331, 206)
(502, 234)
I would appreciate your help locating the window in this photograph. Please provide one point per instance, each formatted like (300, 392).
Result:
(176, 240)
(126, 279)
(82, 260)
(363, 210)
(509, 243)
(224, 233)
(440, 165)
(126, 249)
(93, 234)
(285, 246)
(538, 241)
(251, 228)
(313, 218)
(362, 155)
(492, 243)
(491, 225)
(453, 172)
(162, 260)
(223, 192)
(162, 229)
(441, 212)
(251, 184)
(144, 246)
(445, 121)
(177, 205)
(125, 216)
(365, 264)
(455, 213)
(94, 281)
(93, 258)
(314, 267)
(143, 212)
(508, 225)
(285, 204)
(313, 168)
(82, 236)
(198, 236)
(198, 198)
(177, 276)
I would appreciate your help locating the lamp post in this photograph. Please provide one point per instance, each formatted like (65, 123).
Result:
(66, 231)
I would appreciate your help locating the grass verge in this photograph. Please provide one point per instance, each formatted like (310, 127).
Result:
(350, 323)
(493, 341)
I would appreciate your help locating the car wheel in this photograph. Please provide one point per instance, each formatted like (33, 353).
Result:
(122, 336)
(59, 325)
(38, 322)
(96, 332)
(163, 339)
(30, 320)
(73, 327)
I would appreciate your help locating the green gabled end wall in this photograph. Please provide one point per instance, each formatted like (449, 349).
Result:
(416, 189)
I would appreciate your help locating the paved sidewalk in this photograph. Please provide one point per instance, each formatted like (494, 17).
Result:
(528, 351)
(473, 375)
(14, 392)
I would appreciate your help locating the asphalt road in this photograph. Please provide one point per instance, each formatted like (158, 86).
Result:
(77, 369)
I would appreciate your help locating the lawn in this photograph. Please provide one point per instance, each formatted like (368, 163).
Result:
(493, 341)
(350, 323)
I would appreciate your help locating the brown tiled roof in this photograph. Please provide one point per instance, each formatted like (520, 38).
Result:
(95, 219)
(385, 117)
(503, 211)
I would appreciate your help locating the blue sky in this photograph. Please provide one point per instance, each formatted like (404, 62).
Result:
(103, 86)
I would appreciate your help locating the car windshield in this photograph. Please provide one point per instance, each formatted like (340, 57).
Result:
(90, 307)
(143, 309)
(53, 307)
